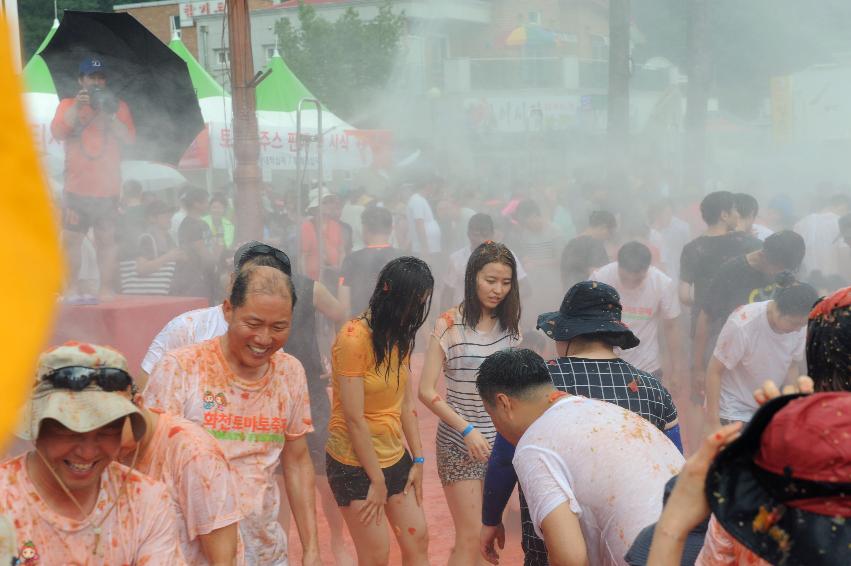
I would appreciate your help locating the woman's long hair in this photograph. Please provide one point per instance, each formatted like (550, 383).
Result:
(398, 307)
(508, 311)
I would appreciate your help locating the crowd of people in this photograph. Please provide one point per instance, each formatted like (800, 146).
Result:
(581, 344)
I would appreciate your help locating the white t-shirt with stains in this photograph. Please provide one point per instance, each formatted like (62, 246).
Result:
(609, 464)
(751, 353)
(644, 308)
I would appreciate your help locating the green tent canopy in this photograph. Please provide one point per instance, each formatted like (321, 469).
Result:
(281, 90)
(36, 74)
(205, 85)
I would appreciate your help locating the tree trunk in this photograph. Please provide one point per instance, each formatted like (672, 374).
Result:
(246, 176)
(697, 95)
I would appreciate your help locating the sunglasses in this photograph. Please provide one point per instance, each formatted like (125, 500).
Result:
(77, 378)
(263, 249)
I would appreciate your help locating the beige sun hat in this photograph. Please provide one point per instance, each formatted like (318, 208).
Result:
(80, 411)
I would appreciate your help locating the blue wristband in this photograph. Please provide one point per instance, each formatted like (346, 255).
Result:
(470, 428)
(419, 460)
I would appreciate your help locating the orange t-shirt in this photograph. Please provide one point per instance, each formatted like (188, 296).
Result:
(140, 529)
(192, 465)
(251, 421)
(352, 356)
(721, 549)
(92, 156)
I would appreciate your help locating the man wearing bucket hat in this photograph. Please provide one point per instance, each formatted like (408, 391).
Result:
(778, 494)
(70, 500)
(587, 328)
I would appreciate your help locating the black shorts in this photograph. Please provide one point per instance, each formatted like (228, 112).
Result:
(79, 213)
(350, 483)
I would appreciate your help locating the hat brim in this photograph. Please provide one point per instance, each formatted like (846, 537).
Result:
(561, 328)
(737, 498)
(79, 411)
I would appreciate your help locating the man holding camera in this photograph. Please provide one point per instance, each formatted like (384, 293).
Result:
(94, 126)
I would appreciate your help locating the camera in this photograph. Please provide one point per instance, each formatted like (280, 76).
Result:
(103, 100)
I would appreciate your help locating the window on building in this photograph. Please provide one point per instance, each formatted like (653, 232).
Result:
(222, 56)
(599, 48)
(270, 51)
(534, 17)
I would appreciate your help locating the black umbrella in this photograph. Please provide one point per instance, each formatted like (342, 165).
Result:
(140, 69)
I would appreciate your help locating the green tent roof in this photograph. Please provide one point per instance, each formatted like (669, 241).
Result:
(36, 74)
(281, 90)
(205, 85)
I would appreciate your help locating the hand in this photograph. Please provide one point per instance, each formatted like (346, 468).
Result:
(176, 254)
(487, 537)
(82, 98)
(415, 480)
(376, 499)
(687, 507)
(769, 391)
(478, 448)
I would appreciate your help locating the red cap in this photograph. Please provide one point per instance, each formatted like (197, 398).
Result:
(810, 439)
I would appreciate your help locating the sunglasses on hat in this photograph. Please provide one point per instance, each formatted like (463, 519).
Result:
(263, 249)
(77, 378)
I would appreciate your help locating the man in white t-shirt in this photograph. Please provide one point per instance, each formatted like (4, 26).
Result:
(669, 234)
(650, 309)
(820, 230)
(591, 471)
(480, 229)
(423, 229)
(759, 341)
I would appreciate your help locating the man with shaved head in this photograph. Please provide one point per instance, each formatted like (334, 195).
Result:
(253, 398)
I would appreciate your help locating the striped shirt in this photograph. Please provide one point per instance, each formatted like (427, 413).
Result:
(465, 349)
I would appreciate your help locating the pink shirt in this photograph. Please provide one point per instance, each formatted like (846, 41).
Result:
(139, 529)
(192, 465)
(251, 420)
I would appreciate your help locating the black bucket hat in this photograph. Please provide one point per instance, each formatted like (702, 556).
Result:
(783, 488)
(589, 307)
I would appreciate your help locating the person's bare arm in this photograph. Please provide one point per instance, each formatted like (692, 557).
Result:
(685, 292)
(220, 546)
(674, 373)
(344, 295)
(327, 304)
(713, 392)
(145, 266)
(701, 337)
(411, 430)
(477, 445)
(563, 537)
(300, 479)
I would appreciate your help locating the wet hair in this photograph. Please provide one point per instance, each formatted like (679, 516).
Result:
(398, 307)
(132, 189)
(508, 311)
(513, 372)
(796, 300)
(634, 257)
(605, 218)
(526, 209)
(377, 219)
(481, 223)
(746, 205)
(269, 261)
(252, 279)
(829, 342)
(784, 249)
(714, 204)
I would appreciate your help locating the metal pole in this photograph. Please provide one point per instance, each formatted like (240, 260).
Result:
(319, 138)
